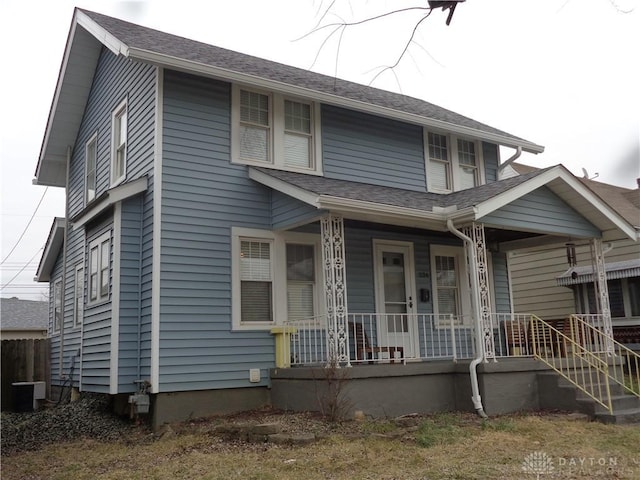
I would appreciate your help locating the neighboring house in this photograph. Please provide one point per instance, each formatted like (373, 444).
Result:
(219, 203)
(544, 283)
(23, 319)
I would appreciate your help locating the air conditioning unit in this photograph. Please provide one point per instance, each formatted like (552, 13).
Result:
(27, 394)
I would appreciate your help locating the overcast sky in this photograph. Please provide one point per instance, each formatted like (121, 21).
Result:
(560, 73)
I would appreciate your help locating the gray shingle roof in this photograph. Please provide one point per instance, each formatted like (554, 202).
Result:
(397, 196)
(23, 314)
(136, 36)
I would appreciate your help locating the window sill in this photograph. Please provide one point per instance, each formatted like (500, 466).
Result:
(307, 171)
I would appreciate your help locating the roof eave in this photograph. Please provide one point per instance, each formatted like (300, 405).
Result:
(51, 250)
(70, 96)
(545, 178)
(233, 76)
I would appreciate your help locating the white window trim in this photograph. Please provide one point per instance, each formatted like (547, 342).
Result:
(98, 241)
(79, 275)
(58, 299)
(454, 164)
(93, 140)
(464, 291)
(628, 318)
(122, 107)
(277, 130)
(279, 242)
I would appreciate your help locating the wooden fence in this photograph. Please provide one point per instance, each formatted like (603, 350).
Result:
(24, 360)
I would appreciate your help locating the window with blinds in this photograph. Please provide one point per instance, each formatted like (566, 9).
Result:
(468, 165)
(271, 130)
(255, 129)
(256, 281)
(446, 285)
(301, 282)
(297, 134)
(439, 164)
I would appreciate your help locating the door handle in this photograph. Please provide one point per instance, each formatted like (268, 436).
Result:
(410, 302)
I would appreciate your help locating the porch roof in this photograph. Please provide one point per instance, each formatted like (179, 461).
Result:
(397, 206)
(614, 270)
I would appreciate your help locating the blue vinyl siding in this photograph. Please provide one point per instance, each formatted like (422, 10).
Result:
(359, 254)
(55, 337)
(130, 344)
(490, 156)
(288, 212)
(370, 149)
(542, 210)
(501, 283)
(204, 195)
(115, 79)
(96, 331)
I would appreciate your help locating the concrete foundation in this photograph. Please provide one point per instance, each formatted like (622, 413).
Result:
(180, 406)
(506, 386)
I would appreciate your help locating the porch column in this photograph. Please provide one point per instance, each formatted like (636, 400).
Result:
(335, 288)
(601, 289)
(476, 233)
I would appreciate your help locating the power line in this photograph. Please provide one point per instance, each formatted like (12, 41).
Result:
(2, 287)
(25, 228)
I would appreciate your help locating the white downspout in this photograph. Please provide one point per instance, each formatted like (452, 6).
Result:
(509, 160)
(475, 288)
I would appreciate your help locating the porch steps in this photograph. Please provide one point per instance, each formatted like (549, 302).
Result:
(555, 391)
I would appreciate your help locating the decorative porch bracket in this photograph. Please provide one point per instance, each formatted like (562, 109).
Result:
(601, 290)
(335, 288)
(475, 232)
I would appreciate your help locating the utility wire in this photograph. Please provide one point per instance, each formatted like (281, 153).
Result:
(25, 228)
(2, 287)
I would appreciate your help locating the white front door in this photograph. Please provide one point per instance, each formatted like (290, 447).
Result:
(395, 295)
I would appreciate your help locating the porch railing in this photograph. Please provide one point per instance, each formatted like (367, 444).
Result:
(586, 357)
(385, 338)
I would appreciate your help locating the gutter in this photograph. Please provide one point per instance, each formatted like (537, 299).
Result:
(475, 289)
(63, 287)
(510, 160)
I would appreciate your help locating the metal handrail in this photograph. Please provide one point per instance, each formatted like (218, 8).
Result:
(603, 343)
(584, 357)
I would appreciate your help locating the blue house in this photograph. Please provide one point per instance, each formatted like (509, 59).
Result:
(229, 219)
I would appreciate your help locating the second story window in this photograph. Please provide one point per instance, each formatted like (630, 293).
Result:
(91, 154)
(452, 163)
(468, 164)
(119, 144)
(99, 268)
(439, 173)
(269, 129)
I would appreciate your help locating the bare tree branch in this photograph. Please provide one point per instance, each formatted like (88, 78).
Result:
(404, 50)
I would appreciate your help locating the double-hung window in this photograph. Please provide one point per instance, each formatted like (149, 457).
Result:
(439, 163)
(91, 155)
(78, 297)
(451, 297)
(275, 277)
(256, 280)
(99, 268)
(301, 281)
(119, 143)
(452, 163)
(272, 130)
(468, 164)
(57, 305)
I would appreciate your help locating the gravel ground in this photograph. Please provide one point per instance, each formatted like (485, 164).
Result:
(88, 417)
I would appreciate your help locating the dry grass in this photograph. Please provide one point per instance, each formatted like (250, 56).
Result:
(448, 446)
